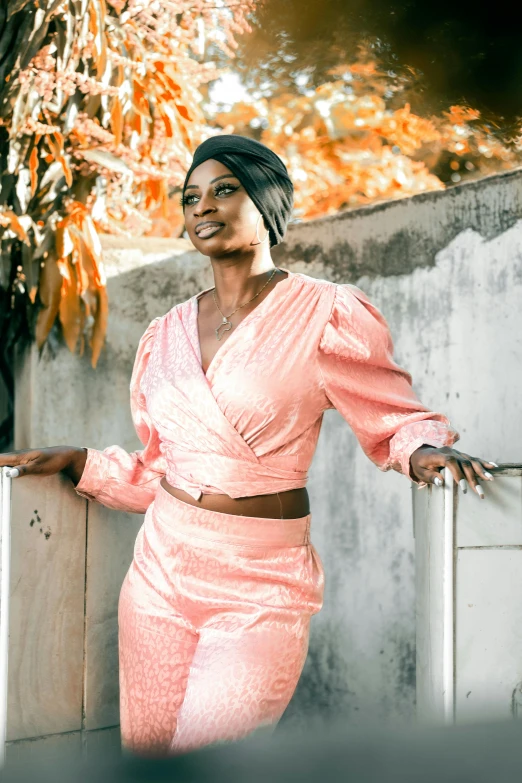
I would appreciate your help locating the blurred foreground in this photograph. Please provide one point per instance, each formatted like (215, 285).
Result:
(480, 753)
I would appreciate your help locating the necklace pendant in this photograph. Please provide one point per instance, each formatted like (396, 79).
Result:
(226, 325)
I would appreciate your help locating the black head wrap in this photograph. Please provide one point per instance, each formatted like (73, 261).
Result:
(261, 172)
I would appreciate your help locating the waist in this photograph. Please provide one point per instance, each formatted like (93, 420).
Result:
(187, 519)
(290, 504)
(237, 476)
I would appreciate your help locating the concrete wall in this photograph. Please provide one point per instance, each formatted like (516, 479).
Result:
(445, 269)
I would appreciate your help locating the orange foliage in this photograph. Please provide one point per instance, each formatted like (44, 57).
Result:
(344, 145)
(100, 115)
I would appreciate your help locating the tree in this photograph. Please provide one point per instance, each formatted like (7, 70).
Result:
(354, 138)
(465, 53)
(99, 114)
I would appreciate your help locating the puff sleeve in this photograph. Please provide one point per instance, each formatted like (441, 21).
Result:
(375, 396)
(115, 478)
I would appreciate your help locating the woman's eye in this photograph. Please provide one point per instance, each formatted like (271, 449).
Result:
(187, 200)
(224, 188)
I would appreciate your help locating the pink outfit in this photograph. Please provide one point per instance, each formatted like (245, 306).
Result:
(249, 427)
(214, 616)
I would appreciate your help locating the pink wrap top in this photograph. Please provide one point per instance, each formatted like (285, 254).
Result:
(250, 425)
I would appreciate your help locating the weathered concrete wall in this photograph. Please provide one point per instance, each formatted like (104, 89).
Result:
(445, 269)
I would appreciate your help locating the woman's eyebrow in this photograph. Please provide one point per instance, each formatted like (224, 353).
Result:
(222, 176)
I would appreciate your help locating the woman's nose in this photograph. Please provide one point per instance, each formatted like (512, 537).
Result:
(203, 209)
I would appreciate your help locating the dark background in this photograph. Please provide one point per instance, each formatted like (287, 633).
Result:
(462, 52)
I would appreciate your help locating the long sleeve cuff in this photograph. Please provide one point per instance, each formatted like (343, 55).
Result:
(94, 476)
(420, 433)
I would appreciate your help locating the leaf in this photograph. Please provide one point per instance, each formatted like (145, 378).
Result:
(35, 40)
(87, 242)
(52, 175)
(49, 289)
(53, 8)
(97, 27)
(117, 120)
(67, 170)
(18, 118)
(168, 82)
(33, 168)
(136, 122)
(15, 6)
(56, 143)
(14, 31)
(70, 310)
(168, 116)
(47, 244)
(107, 160)
(93, 245)
(183, 111)
(140, 101)
(23, 188)
(83, 277)
(31, 269)
(63, 242)
(27, 224)
(13, 34)
(15, 225)
(100, 325)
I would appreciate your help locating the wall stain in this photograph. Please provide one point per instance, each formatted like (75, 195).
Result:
(486, 207)
(324, 690)
(406, 667)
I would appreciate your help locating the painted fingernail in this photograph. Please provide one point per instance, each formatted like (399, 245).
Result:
(463, 484)
(13, 473)
(480, 491)
(437, 481)
(494, 464)
(488, 476)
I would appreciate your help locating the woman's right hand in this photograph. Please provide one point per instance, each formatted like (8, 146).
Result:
(46, 462)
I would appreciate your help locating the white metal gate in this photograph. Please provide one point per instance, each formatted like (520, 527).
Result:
(469, 599)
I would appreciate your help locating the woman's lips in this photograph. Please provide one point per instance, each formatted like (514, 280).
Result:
(208, 231)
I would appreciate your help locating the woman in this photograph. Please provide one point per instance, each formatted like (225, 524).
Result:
(227, 396)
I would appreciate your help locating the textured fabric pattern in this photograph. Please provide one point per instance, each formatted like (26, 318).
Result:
(214, 619)
(250, 425)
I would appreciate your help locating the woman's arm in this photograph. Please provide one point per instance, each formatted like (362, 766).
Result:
(45, 462)
(114, 477)
(375, 396)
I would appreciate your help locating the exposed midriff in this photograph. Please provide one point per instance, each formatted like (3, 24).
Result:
(292, 504)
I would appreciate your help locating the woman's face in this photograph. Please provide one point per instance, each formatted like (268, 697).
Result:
(220, 216)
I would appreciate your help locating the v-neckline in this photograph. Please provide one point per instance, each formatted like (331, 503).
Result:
(195, 326)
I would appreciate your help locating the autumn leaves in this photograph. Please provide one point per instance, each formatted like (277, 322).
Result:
(99, 115)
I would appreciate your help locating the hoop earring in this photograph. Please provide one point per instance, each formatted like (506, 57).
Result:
(257, 232)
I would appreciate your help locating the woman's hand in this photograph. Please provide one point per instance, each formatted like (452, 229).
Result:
(427, 462)
(45, 462)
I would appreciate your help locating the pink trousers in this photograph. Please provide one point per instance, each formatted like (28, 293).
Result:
(214, 617)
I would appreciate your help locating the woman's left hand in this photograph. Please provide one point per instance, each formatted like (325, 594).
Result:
(427, 462)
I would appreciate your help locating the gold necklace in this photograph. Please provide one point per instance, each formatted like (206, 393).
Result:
(225, 323)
